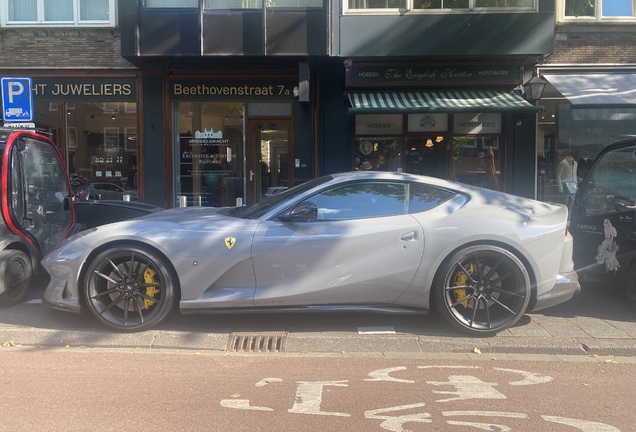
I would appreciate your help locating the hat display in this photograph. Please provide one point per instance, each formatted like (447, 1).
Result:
(366, 165)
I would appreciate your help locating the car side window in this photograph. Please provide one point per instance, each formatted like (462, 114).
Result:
(611, 184)
(423, 197)
(361, 200)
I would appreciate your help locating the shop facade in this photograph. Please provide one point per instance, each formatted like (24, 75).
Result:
(94, 123)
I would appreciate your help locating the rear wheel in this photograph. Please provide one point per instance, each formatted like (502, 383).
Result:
(15, 277)
(130, 288)
(482, 290)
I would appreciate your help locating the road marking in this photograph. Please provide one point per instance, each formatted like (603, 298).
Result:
(35, 301)
(383, 375)
(242, 404)
(394, 424)
(584, 425)
(468, 387)
(309, 396)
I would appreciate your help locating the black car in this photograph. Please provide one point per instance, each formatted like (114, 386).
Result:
(603, 219)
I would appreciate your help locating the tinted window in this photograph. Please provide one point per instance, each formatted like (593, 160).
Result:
(361, 200)
(611, 183)
(424, 197)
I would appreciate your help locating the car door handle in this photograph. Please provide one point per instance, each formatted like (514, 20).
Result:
(409, 236)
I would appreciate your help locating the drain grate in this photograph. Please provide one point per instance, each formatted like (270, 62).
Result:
(257, 341)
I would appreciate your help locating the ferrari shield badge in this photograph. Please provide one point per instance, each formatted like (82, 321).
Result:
(230, 241)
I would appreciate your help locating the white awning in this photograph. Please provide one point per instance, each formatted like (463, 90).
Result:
(596, 90)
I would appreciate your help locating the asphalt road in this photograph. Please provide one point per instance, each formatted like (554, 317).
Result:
(599, 321)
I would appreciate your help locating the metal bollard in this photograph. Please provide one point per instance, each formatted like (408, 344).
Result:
(183, 201)
(126, 197)
(196, 201)
(239, 202)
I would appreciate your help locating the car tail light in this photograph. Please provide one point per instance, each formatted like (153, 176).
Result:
(566, 230)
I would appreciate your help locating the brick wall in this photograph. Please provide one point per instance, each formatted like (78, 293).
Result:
(56, 48)
(594, 43)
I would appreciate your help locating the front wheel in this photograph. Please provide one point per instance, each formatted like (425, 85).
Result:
(482, 290)
(15, 277)
(130, 288)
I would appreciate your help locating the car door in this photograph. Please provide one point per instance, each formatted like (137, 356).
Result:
(362, 249)
(39, 202)
(603, 216)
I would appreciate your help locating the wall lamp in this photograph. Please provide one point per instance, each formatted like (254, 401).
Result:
(534, 88)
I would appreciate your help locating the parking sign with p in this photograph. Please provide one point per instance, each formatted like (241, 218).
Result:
(17, 99)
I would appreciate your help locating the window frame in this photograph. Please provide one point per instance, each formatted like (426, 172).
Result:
(77, 22)
(409, 9)
(598, 18)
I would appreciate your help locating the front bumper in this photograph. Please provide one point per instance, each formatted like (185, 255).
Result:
(565, 287)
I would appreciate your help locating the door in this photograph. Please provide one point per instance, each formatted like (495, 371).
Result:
(363, 248)
(603, 216)
(39, 192)
(269, 158)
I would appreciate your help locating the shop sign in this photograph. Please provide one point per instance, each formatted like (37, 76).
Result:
(428, 122)
(379, 124)
(420, 75)
(231, 90)
(85, 89)
(477, 124)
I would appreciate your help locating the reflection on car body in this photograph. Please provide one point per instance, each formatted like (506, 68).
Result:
(360, 241)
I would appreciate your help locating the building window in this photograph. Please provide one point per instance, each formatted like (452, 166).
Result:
(59, 13)
(596, 10)
(181, 3)
(446, 5)
(258, 4)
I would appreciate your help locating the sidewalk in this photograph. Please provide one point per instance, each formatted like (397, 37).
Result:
(599, 321)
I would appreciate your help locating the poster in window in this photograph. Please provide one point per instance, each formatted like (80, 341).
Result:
(130, 139)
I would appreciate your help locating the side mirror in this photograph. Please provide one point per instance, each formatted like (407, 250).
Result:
(303, 212)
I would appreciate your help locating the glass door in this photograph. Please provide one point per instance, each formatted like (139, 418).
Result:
(269, 165)
(208, 153)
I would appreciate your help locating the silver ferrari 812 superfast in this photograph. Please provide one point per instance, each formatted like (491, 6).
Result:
(358, 241)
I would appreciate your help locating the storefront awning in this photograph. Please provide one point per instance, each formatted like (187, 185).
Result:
(438, 101)
(596, 90)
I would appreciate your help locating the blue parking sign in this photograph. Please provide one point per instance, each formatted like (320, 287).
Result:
(17, 99)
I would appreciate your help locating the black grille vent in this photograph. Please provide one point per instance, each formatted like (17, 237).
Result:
(257, 342)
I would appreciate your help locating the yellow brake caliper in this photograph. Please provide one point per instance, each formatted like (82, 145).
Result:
(460, 279)
(149, 277)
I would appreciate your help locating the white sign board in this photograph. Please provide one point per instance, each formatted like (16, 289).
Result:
(428, 122)
(379, 124)
(477, 124)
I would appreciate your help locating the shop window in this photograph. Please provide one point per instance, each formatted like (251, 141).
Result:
(476, 161)
(432, 5)
(101, 147)
(596, 10)
(568, 145)
(378, 154)
(209, 155)
(60, 13)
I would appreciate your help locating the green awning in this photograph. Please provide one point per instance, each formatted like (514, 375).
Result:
(438, 101)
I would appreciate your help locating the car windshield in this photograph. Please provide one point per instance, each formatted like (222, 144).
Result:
(613, 175)
(257, 210)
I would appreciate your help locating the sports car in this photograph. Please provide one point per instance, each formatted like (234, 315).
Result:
(358, 241)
